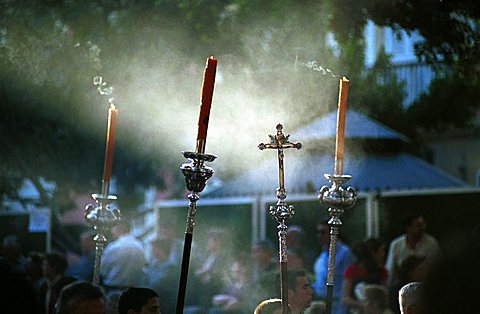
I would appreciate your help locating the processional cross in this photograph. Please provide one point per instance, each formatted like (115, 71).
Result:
(281, 212)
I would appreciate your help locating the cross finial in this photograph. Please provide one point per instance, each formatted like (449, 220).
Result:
(279, 141)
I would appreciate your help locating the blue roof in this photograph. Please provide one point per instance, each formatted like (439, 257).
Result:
(369, 172)
(357, 125)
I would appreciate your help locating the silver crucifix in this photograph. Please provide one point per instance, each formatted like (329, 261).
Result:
(281, 212)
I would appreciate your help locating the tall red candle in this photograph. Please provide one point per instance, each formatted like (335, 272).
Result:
(112, 120)
(342, 112)
(206, 104)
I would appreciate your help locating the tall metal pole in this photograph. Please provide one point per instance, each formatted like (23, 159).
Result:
(102, 217)
(281, 212)
(337, 200)
(196, 173)
(196, 176)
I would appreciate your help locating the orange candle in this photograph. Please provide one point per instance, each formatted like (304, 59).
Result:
(112, 120)
(342, 111)
(206, 104)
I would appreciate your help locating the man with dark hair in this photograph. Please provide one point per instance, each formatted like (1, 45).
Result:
(13, 252)
(138, 301)
(162, 274)
(415, 241)
(300, 293)
(81, 297)
(263, 253)
(54, 266)
(264, 271)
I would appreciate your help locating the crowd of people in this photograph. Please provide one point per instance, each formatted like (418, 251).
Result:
(371, 276)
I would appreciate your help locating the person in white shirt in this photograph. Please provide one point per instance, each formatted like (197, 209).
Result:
(122, 260)
(415, 241)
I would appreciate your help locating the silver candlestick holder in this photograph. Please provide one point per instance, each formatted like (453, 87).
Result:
(102, 217)
(196, 175)
(281, 212)
(337, 199)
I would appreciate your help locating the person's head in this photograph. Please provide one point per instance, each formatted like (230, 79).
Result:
(34, 265)
(323, 232)
(378, 248)
(375, 299)
(160, 248)
(408, 297)
(270, 306)
(294, 236)
(81, 297)
(361, 251)
(366, 258)
(262, 252)
(300, 293)
(123, 227)
(167, 229)
(240, 272)
(87, 244)
(138, 301)
(414, 226)
(215, 239)
(12, 248)
(413, 268)
(295, 259)
(54, 264)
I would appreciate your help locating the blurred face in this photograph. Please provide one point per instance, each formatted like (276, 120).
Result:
(260, 255)
(323, 233)
(87, 244)
(12, 250)
(371, 307)
(214, 244)
(295, 262)
(301, 297)
(48, 271)
(417, 228)
(89, 307)
(294, 239)
(152, 307)
(159, 253)
(239, 272)
(418, 274)
(380, 254)
(119, 230)
(168, 232)
(32, 269)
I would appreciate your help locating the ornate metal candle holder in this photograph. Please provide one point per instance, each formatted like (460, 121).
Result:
(337, 200)
(102, 218)
(196, 176)
(281, 212)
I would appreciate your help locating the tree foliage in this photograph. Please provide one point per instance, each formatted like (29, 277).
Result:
(277, 57)
(451, 46)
